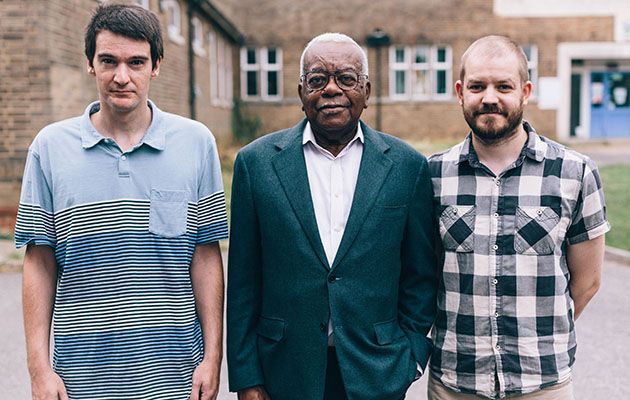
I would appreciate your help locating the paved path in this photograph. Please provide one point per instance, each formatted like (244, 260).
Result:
(603, 356)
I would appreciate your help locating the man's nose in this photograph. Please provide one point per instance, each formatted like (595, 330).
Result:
(121, 75)
(331, 88)
(490, 96)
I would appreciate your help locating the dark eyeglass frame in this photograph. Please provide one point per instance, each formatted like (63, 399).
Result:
(335, 76)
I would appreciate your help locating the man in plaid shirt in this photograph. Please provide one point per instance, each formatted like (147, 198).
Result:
(522, 223)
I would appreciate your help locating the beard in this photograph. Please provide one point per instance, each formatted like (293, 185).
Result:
(493, 129)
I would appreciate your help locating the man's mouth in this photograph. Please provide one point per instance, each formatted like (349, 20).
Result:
(331, 106)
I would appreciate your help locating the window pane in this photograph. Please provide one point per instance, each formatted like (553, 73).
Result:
(421, 55)
(272, 83)
(252, 83)
(400, 82)
(441, 54)
(421, 84)
(400, 54)
(271, 56)
(251, 56)
(441, 82)
(528, 52)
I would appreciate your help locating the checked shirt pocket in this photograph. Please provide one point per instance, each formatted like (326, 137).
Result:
(457, 224)
(168, 213)
(535, 227)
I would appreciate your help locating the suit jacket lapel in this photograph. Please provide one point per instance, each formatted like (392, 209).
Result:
(375, 166)
(290, 167)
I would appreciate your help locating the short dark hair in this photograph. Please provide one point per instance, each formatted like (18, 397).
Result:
(127, 20)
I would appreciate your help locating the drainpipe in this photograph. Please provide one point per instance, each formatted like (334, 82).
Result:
(378, 39)
(192, 95)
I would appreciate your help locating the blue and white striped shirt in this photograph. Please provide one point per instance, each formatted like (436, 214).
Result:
(124, 226)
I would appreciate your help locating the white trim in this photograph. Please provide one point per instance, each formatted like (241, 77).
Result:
(261, 67)
(221, 77)
(600, 51)
(409, 68)
(532, 66)
(174, 24)
(197, 34)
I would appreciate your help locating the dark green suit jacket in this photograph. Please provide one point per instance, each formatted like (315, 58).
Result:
(379, 292)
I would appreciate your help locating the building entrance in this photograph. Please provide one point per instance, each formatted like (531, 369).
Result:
(610, 104)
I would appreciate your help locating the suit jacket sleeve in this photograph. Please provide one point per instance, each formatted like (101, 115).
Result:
(244, 284)
(418, 279)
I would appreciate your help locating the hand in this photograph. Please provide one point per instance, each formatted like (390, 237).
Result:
(205, 381)
(47, 385)
(253, 393)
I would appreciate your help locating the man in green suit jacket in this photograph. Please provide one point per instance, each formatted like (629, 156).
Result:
(332, 270)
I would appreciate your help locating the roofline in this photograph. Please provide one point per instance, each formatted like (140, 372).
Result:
(222, 22)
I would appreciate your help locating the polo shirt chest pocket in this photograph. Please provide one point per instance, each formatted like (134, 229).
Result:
(535, 230)
(457, 225)
(168, 212)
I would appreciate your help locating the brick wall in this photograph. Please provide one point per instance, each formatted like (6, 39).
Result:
(43, 79)
(456, 23)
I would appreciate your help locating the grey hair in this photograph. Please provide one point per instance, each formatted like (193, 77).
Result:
(336, 38)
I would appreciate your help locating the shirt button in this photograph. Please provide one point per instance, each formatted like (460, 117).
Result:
(497, 182)
(495, 247)
(337, 195)
(496, 215)
(495, 281)
(496, 314)
(539, 212)
(338, 229)
(498, 347)
(123, 158)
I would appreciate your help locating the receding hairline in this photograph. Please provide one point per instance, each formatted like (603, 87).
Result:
(334, 37)
(495, 46)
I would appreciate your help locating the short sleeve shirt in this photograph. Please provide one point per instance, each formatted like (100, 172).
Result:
(504, 307)
(124, 226)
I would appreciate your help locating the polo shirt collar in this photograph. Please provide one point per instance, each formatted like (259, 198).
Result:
(154, 137)
(535, 148)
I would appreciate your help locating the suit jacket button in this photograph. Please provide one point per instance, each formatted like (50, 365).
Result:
(322, 327)
(331, 278)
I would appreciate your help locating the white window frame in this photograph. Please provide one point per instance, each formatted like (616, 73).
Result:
(262, 66)
(174, 24)
(197, 34)
(221, 77)
(408, 66)
(532, 67)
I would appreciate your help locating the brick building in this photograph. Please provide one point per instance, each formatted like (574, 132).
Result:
(249, 50)
(43, 72)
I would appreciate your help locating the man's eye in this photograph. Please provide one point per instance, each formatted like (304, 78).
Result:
(316, 80)
(505, 88)
(108, 61)
(137, 62)
(475, 88)
(347, 79)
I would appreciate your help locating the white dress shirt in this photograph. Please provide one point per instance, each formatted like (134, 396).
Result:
(332, 181)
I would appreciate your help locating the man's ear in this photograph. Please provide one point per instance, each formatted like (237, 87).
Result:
(527, 91)
(90, 68)
(459, 89)
(156, 68)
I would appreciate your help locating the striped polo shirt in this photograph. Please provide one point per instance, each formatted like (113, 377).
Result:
(124, 226)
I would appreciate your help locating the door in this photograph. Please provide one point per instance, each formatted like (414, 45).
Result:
(610, 104)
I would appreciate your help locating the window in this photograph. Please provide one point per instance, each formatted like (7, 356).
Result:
(197, 32)
(174, 27)
(420, 72)
(261, 73)
(221, 91)
(143, 3)
(531, 51)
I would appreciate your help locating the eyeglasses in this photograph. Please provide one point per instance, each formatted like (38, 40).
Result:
(346, 79)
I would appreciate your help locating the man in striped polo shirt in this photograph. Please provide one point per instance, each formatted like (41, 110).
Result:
(522, 223)
(122, 209)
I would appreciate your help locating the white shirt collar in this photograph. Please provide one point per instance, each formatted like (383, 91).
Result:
(309, 136)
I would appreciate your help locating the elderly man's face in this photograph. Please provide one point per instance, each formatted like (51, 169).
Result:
(332, 111)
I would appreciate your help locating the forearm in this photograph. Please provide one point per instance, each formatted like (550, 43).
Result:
(585, 261)
(39, 283)
(207, 279)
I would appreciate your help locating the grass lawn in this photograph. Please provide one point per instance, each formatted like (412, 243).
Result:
(617, 191)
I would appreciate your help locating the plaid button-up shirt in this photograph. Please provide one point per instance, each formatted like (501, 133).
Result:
(504, 307)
